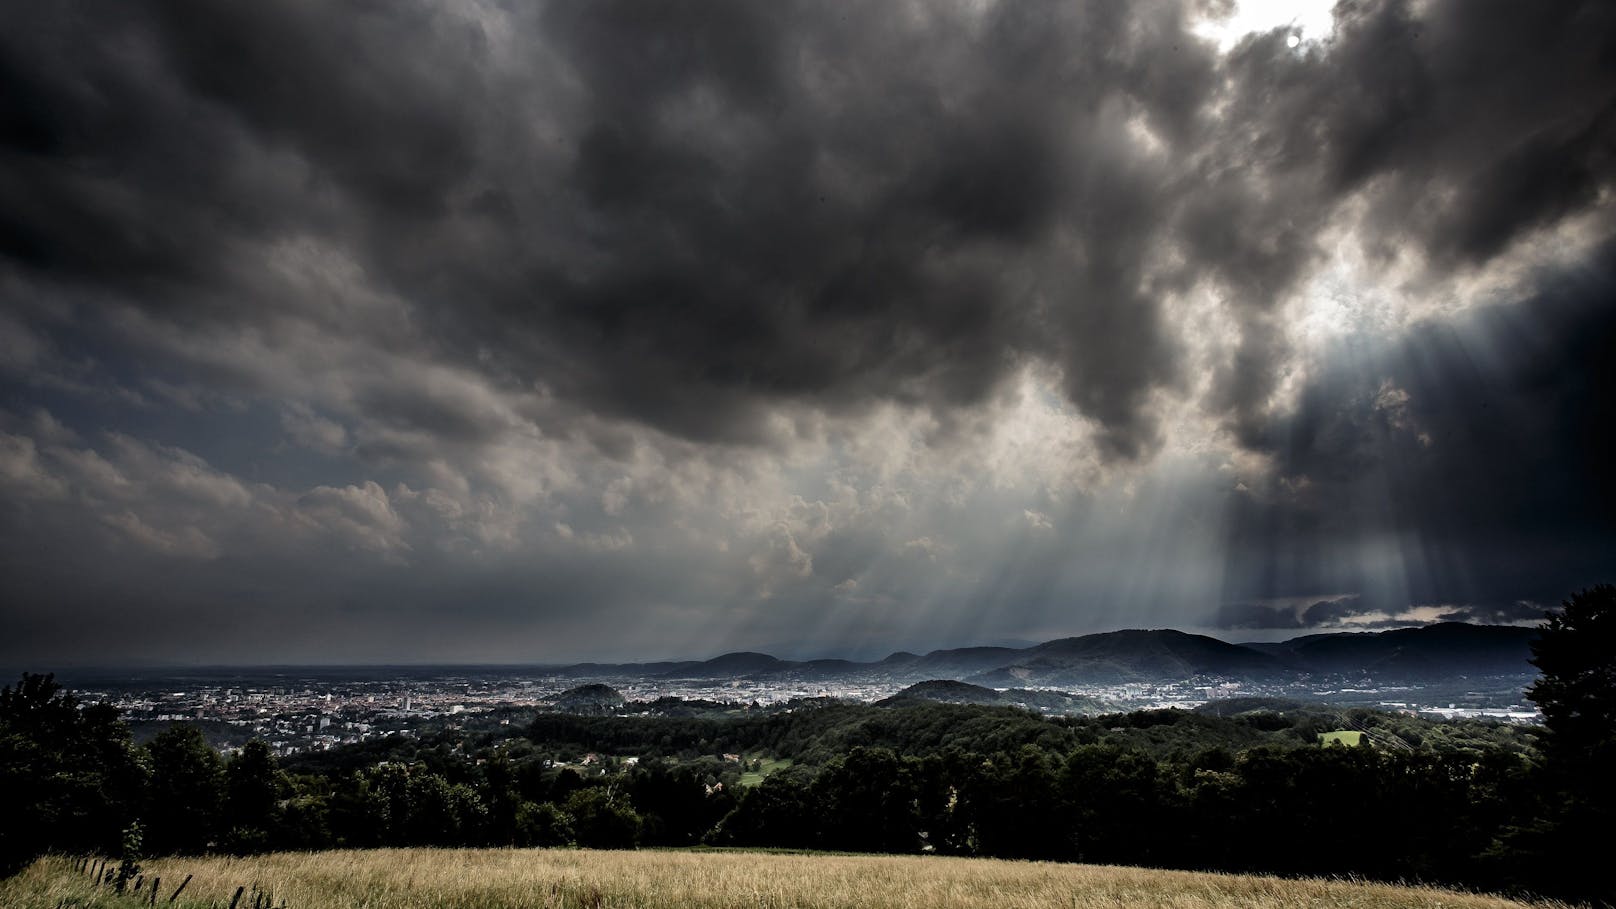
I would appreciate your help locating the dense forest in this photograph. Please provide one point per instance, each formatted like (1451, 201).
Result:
(1246, 786)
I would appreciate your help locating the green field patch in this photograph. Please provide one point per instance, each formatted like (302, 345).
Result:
(1349, 737)
(765, 766)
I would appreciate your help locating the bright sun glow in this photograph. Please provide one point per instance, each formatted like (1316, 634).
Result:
(1309, 20)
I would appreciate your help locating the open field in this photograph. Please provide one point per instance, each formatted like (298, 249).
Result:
(769, 765)
(1347, 737)
(501, 878)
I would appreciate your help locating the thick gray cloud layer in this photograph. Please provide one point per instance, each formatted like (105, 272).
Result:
(495, 331)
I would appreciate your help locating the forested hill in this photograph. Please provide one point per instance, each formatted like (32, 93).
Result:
(1444, 650)
(1133, 656)
(949, 691)
(1434, 651)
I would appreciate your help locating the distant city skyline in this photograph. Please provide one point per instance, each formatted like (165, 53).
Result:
(540, 333)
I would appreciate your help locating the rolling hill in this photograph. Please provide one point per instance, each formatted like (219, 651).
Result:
(1411, 654)
(1133, 656)
(730, 665)
(949, 691)
(1442, 651)
(588, 699)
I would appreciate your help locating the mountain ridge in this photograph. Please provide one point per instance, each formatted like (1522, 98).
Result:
(1142, 655)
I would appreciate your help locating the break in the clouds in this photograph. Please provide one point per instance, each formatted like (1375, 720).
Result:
(484, 331)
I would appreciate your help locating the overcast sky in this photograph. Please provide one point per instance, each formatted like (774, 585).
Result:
(482, 331)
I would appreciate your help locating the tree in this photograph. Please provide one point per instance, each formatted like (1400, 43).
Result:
(865, 803)
(432, 819)
(252, 793)
(600, 820)
(1116, 801)
(504, 801)
(129, 855)
(777, 812)
(1009, 800)
(187, 792)
(360, 811)
(542, 824)
(70, 778)
(1576, 654)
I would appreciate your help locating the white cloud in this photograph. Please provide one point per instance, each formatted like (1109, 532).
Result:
(362, 516)
(310, 430)
(186, 542)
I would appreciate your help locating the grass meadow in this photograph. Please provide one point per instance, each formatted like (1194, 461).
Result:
(585, 879)
(1351, 738)
(769, 765)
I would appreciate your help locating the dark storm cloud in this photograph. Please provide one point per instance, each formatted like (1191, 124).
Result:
(1287, 616)
(689, 214)
(839, 209)
(1480, 448)
(1354, 613)
(1520, 612)
(580, 278)
(1462, 126)
(683, 215)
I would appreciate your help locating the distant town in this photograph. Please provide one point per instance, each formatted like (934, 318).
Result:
(301, 710)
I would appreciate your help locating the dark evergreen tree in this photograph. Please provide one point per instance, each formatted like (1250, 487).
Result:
(1576, 653)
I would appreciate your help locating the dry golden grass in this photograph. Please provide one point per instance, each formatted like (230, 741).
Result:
(534, 878)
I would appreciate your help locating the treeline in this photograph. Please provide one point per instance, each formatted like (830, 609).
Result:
(1333, 810)
(1454, 803)
(73, 780)
(1256, 792)
(816, 733)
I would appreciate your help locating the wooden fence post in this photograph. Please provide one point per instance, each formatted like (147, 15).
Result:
(237, 898)
(180, 887)
(153, 900)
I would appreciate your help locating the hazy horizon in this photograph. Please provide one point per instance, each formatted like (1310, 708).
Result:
(70, 667)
